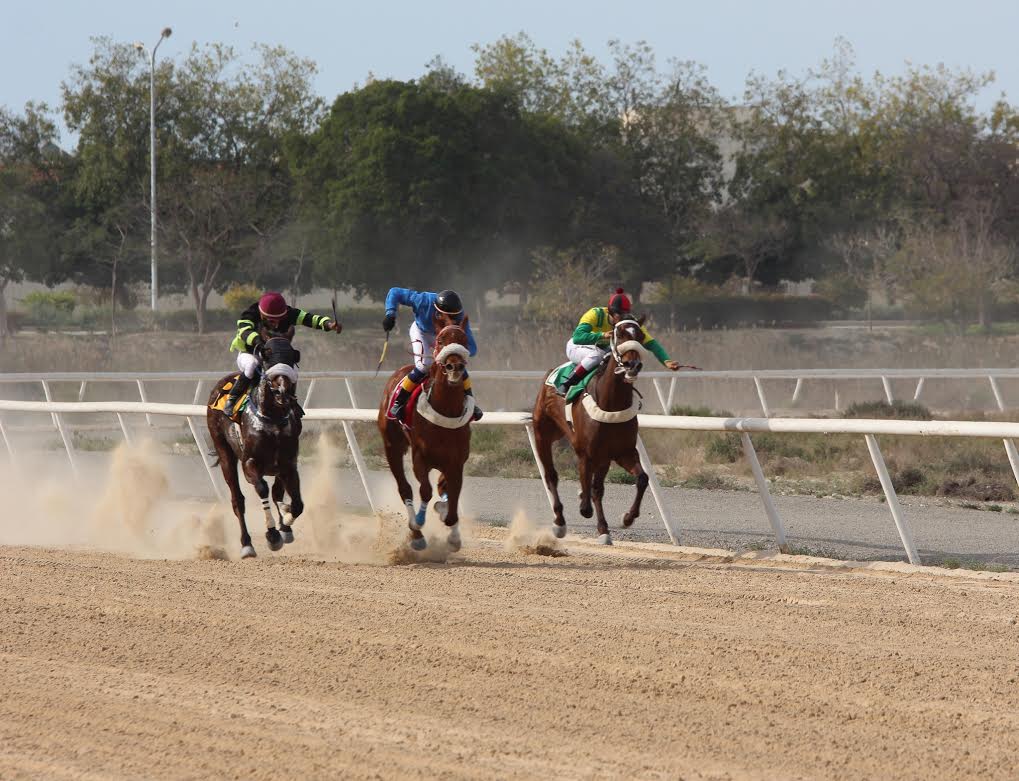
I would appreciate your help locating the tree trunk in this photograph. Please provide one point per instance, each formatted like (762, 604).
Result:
(4, 330)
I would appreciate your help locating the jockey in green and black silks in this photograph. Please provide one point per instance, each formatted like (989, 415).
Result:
(431, 310)
(271, 314)
(590, 340)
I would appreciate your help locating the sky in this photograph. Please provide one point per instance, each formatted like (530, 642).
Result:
(41, 39)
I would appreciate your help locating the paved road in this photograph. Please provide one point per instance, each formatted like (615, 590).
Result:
(840, 528)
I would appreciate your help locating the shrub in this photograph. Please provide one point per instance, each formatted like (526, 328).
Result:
(49, 307)
(239, 297)
(725, 449)
(898, 410)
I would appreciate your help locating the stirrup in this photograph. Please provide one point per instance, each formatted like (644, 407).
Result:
(563, 388)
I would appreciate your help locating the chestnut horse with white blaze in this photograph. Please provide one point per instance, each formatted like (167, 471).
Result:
(439, 436)
(604, 429)
(264, 442)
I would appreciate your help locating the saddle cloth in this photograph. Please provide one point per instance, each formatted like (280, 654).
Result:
(560, 374)
(242, 402)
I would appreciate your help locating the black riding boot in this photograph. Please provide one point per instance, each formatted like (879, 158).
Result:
(399, 404)
(477, 410)
(578, 374)
(240, 386)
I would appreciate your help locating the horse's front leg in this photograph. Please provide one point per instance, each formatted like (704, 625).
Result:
(598, 492)
(254, 476)
(631, 463)
(282, 509)
(421, 470)
(453, 483)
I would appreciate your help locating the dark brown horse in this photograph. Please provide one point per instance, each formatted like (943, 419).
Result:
(264, 442)
(604, 429)
(439, 437)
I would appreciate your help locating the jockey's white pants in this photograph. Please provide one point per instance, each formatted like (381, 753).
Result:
(248, 364)
(586, 355)
(423, 346)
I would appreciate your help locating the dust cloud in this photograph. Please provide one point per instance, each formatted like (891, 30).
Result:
(525, 536)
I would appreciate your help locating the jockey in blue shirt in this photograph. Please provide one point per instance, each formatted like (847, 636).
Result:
(432, 312)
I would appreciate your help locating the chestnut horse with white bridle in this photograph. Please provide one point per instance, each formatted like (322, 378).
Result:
(439, 436)
(603, 430)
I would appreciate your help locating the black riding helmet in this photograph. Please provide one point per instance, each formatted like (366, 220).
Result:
(448, 302)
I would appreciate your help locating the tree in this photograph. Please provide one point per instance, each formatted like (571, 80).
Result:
(29, 180)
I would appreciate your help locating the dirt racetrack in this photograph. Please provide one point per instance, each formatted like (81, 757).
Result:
(500, 664)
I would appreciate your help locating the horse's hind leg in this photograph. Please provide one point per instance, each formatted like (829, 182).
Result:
(272, 535)
(421, 470)
(598, 473)
(395, 445)
(631, 463)
(544, 437)
(282, 510)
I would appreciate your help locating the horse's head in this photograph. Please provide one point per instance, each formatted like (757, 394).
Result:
(279, 370)
(627, 347)
(451, 353)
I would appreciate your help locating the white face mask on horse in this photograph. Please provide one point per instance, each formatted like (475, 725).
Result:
(621, 346)
(453, 368)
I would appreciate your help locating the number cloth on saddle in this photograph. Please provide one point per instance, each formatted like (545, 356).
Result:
(560, 375)
(242, 402)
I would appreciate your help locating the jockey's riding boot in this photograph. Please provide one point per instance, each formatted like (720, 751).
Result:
(578, 374)
(399, 404)
(477, 409)
(240, 385)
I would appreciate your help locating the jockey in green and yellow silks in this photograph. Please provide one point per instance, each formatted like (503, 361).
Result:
(590, 340)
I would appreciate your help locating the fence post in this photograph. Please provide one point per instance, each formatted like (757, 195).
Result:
(905, 534)
(541, 469)
(1010, 450)
(307, 396)
(81, 390)
(123, 428)
(217, 486)
(672, 395)
(888, 390)
(198, 392)
(145, 398)
(7, 443)
(762, 487)
(64, 435)
(919, 388)
(763, 400)
(661, 396)
(797, 390)
(355, 448)
(998, 398)
(656, 491)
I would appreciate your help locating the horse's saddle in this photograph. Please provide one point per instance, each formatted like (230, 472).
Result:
(560, 374)
(242, 402)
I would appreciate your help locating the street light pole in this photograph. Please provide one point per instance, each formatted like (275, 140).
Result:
(166, 33)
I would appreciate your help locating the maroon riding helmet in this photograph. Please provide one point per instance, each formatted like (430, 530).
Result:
(619, 302)
(272, 306)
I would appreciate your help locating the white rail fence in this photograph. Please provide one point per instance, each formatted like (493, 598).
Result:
(869, 429)
(664, 383)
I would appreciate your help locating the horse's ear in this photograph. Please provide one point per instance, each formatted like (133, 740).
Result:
(641, 319)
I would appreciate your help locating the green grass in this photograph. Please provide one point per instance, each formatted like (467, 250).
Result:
(951, 562)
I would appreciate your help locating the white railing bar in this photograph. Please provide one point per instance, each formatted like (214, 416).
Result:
(998, 398)
(81, 390)
(919, 388)
(198, 391)
(888, 390)
(1010, 449)
(905, 533)
(309, 394)
(762, 488)
(123, 428)
(797, 391)
(7, 444)
(672, 394)
(64, 436)
(355, 450)
(144, 397)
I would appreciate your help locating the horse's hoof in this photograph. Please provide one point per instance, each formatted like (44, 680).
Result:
(288, 535)
(628, 520)
(454, 541)
(587, 512)
(604, 539)
(418, 543)
(559, 530)
(442, 508)
(274, 539)
(248, 552)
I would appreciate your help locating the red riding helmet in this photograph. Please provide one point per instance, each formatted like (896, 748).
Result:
(619, 302)
(272, 306)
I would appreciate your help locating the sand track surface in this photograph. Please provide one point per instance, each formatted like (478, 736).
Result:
(500, 664)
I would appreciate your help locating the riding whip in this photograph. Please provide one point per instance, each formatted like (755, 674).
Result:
(385, 346)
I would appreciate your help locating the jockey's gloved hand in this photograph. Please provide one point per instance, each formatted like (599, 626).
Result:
(388, 322)
(334, 326)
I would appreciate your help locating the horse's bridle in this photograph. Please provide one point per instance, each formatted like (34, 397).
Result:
(629, 368)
